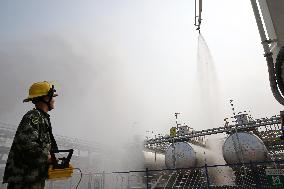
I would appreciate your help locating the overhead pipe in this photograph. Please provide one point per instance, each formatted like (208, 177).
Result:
(275, 79)
(197, 18)
(278, 69)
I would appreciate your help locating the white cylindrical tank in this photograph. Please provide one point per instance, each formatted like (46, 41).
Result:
(180, 155)
(185, 155)
(243, 147)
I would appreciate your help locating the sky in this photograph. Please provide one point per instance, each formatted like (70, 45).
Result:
(123, 68)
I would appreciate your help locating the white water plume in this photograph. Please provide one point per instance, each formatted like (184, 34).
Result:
(222, 175)
(209, 87)
(210, 105)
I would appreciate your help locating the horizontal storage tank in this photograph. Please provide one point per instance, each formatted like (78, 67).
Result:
(180, 155)
(243, 147)
(184, 155)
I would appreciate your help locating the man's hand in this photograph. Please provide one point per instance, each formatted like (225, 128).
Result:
(49, 159)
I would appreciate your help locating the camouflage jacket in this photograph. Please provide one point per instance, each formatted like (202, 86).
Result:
(27, 160)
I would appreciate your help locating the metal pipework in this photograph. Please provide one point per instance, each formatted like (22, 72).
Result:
(166, 140)
(197, 18)
(278, 70)
(275, 82)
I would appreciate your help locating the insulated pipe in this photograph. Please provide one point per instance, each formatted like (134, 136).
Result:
(273, 84)
(278, 70)
(268, 55)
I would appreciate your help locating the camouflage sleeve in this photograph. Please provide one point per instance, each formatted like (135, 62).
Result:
(27, 138)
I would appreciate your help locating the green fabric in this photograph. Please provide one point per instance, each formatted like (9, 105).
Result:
(36, 185)
(27, 160)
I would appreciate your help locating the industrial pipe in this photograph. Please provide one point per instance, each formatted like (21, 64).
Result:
(275, 83)
(278, 70)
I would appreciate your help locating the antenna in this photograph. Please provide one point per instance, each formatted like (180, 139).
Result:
(178, 124)
(233, 108)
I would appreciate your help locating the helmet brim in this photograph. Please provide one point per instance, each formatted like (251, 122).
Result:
(30, 99)
(27, 100)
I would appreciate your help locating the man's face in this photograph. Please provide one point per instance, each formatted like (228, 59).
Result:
(52, 103)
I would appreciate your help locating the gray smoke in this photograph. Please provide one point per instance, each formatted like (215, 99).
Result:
(87, 86)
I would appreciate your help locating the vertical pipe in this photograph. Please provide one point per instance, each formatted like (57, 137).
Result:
(207, 176)
(89, 182)
(128, 181)
(103, 184)
(147, 178)
(195, 14)
(200, 10)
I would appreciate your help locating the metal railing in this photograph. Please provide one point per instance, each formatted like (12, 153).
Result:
(240, 175)
(253, 124)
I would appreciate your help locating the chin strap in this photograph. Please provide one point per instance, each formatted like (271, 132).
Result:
(50, 95)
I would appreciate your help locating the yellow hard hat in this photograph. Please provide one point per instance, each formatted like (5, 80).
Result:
(40, 89)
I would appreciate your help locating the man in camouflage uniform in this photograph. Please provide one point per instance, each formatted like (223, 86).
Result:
(29, 156)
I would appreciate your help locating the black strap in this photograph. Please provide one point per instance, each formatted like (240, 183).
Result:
(50, 95)
(49, 128)
(54, 146)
